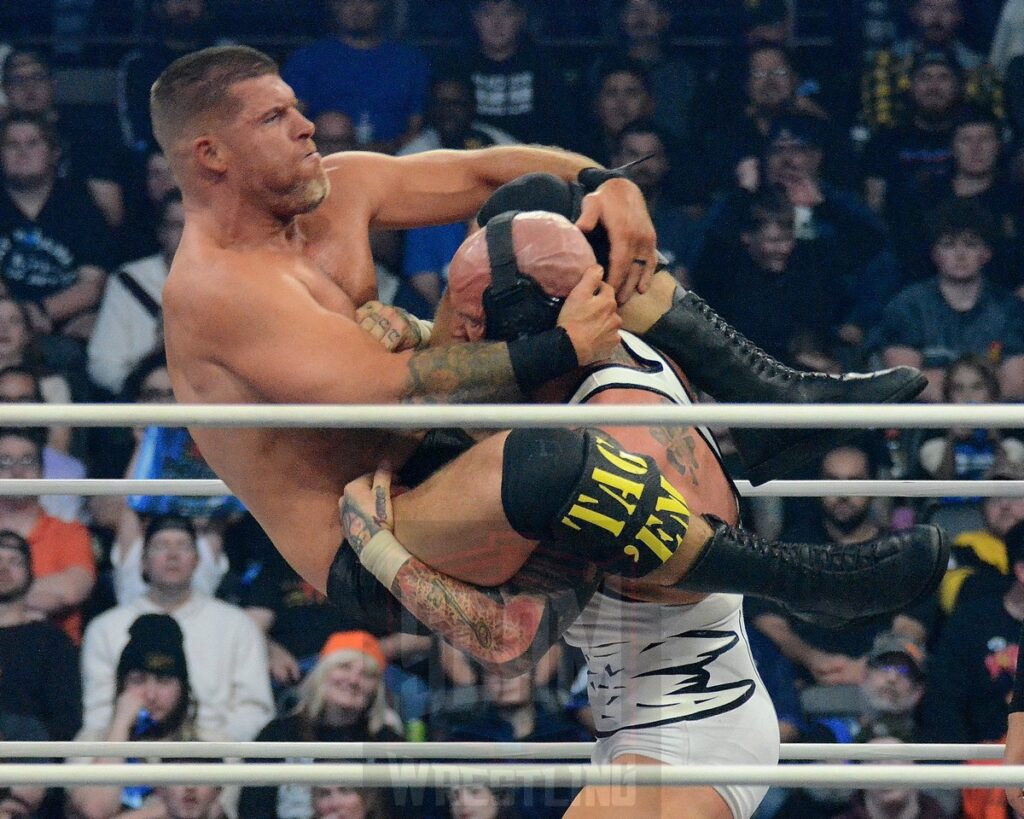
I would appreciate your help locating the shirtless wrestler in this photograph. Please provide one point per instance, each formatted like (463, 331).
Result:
(671, 680)
(260, 306)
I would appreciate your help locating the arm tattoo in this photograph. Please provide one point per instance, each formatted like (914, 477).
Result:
(681, 449)
(462, 374)
(507, 628)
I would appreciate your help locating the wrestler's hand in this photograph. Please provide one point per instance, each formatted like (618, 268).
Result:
(392, 326)
(619, 206)
(590, 317)
(366, 507)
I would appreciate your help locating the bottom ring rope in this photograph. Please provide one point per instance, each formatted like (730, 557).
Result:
(429, 774)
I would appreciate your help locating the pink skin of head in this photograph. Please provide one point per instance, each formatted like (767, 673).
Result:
(549, 248)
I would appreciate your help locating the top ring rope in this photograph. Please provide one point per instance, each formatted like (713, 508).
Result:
(506, 416)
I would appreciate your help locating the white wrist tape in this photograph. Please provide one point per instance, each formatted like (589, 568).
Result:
(426, 329)
(383, 556)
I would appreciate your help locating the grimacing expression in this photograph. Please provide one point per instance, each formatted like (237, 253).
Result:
(269, 151)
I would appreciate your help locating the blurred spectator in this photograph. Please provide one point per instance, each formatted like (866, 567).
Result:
(735, 146)
(908, 158)
(190, 801)
(151, 699)
(622, 95)
(335, 132)
(906, 803)
(518, 88)
(510, 712)
(230, 678)
(87, 153)
(129, 322)
(451, 119)
(21, 348)
(342, 700)
(676, 225)
(176, 27)
(643, 27)
(936, 29)
(62, 560)
(972, 667)
(766, 284)
(296, 618)
(481, 802)
(979, 561)
(964, 453)
(380, 85)
(37, 659)
(931, 323)
(839, 656)
(348, 803)
(22, 386)
(152, 181)
(54, 244)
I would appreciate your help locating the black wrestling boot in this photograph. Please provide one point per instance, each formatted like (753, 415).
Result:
(830, 585)
(730, 368)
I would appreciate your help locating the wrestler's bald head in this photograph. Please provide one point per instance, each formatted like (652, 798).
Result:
(549, 249)
(194, 92)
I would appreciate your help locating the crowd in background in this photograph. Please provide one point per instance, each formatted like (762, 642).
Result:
(841, 179)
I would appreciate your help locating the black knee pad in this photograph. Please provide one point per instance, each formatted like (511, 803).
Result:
(580, 491)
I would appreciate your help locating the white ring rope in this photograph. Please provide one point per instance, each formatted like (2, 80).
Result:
(810, 752)
(506, 416)
(773, 489)
(433, 774)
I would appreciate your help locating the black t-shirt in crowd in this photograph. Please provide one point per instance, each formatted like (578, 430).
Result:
(970, 673)
(41, 256)
(39, 677)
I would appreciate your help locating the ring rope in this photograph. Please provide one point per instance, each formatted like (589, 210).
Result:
(773, 489)
(505, 416)
(813, 752)
(433, 774)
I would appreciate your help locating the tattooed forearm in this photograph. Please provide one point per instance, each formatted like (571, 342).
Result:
(462, 374)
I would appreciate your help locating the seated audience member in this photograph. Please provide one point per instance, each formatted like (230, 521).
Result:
(151, 699)
(331, 802)
(979, 559)
(834, 656)
(481, 802)
(341, 700)
(931, 323)
(335, 133)
(227, 654)
(379, 84)
(643, 26)
(519, 89)
(905, 803)
(763, 281)
(129, 322)
(54, 244)
(174, 28)
(150, 183)
(62, 560)
(622, 95)
(936, 26)
(37, 658)
(87, 152)
(20, 348)
(510, 712)
(190, 801)
(964, 453)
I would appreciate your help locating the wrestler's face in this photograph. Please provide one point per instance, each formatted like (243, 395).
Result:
(351, 684)
(189, 801)
(268, 149)
(160, 693)
(960, 258)
(976, 148)
(771, 245)
(337, 803)
(623, 98)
